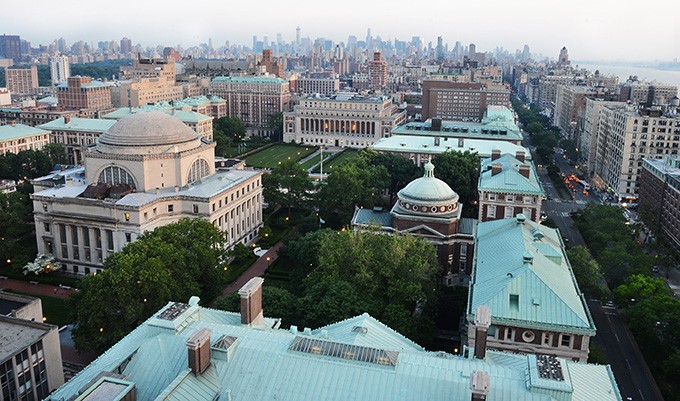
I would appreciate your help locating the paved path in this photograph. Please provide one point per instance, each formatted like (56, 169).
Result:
(255, 270)
(36, 289)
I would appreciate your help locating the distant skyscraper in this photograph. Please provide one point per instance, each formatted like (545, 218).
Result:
(564, 57)
(377, 72)
(61, 45)
(10, 47)
(369, 39)
(125, 45)
(210, 44)
(254, 42)
(472, 49)
(297, 38)
(440, 48)
(279, 39)
(59, 69)
(526, 53)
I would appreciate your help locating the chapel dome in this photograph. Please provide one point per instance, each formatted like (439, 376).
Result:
(427, 195)
(148, 129)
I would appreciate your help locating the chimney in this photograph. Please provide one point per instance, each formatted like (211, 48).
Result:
(495, 154)
(199, 351)
(436, 124)
(520, 156)
(251, 302)
(479, 384)
(482, 323)
(524, 170)
(496, 168)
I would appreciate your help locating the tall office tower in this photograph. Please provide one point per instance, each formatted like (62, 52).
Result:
(59, 69)
(472, 49)
(377, 72)
(125, 45)
(61, 45)
(10, 47)
(297, 38)
(369, 39)
(265, 40)
(254, 42)
(564, 57)
(526, 53)
(279, 39)
(440, 49)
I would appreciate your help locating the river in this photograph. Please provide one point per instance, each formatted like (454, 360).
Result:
(623, 72)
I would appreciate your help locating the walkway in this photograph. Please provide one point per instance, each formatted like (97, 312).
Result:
(36, 289)
(255, 270)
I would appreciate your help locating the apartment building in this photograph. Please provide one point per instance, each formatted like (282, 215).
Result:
(659, 201)
(60, 68)
(84, 93)
(22, 80)
(323, 86)
(587, 141)
(569, 104)
(451, 100)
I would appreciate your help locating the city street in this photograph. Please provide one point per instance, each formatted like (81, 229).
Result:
(630, 370)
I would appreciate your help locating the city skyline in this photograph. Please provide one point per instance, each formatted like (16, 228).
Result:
(587, 35)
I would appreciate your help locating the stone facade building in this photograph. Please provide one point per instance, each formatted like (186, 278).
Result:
(346, 120)
(146, 171)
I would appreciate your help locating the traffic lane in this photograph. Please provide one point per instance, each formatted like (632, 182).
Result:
(629, 368)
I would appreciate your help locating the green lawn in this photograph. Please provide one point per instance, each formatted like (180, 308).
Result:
(233, 151)
(55, 310)
(342, 157)
(270, 157)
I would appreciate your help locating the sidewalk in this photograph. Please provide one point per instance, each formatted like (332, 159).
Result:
(255, 270)
(36, 289)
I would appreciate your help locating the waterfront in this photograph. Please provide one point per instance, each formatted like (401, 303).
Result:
(623, 72)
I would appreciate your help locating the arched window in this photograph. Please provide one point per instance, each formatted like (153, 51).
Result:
(198, 170)
(114, 175)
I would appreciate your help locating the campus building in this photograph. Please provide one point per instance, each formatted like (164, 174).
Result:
(146, 171)
(76, 134)
(199, 123)
(462, 101)
(427, 207)
(508, 185)
(522, 274)
(30, 356)
(84, 93)
(345, 119)
(253, 100)
(17, 137)
(189, 352)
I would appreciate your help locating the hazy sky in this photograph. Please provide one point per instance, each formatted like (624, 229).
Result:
(591, 29)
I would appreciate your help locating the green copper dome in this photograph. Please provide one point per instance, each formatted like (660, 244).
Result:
(427, 195)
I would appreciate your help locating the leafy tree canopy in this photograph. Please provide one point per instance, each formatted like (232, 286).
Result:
(288, 185)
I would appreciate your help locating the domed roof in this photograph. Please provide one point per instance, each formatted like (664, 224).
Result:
(148, 129)
(428, 189)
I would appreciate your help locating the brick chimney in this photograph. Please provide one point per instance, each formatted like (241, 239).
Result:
(496, 168)
(198, 346)
(495, 154)
(479, 384)
(251, 302)
(436, 124)
(524, 170)
(482, 323)
(520, 155)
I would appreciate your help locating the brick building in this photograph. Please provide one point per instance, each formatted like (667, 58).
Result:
(22, 80)
(450, 100)
(84, 93)
(659, 201)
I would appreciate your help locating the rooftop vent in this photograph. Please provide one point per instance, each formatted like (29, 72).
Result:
(360, 329)
(528, 258)
(521, 218)
(549, 367)
(350, 352)
(173, 311)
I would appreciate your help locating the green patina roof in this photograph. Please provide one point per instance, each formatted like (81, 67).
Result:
(509, 179)
(265, 363)
(78, 124)
(370, 217)
(249, 80)
(186, 116)
(17, 131)
(425, 144)
(528, 260)
(499, 123)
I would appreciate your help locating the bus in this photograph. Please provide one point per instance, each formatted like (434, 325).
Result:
(585, 184)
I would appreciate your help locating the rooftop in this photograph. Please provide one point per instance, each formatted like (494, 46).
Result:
(518, 257)
(17, 334)
(249, 80)
(347, 97)
(358, 358)
(186, 116)
(509, 179)
(78, 124)
(428, 145)
(17, 131)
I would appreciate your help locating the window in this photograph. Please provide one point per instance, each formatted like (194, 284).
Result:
(492, 197)
(115, 175)
(195, 208)
(46, 226)
(463, 249)
(491, 211)
(171, 208)
(508, 211)
(514, 302)
(128, 237)
(510, 334)
(198, 170)
(565, 340)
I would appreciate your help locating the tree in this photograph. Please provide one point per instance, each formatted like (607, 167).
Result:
(232, 127)
(586, 270)
(461, 171)
(276, 125)
(287, 185)
(534, 127)
(56, 153)
(222, 142)
(640, 288)
(401, 170)
(352, 184)
(172, 263)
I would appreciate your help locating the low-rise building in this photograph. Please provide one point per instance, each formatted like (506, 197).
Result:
(76, 134)
(146, 171)
(508, 185)
(522, 274)
(346, 120)
(428, 208)
(84, 93)
(189, 352)
(17, 137)
(30, 355)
